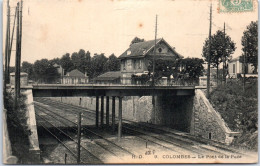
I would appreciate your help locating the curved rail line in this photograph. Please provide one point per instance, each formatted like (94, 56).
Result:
(73, 154)
(100, 145)
(94, 133)
(98, 160)
(170, 135)
(137, 134)
(140, 137)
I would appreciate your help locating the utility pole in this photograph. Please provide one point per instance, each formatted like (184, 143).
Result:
(7, 42)
(153, 82)
(208, 74)
(11, 44)
(20, 47)
(21, 27)
(224, 57)
(79, 137)
(17, 59)
(154, 51)
(18, 52)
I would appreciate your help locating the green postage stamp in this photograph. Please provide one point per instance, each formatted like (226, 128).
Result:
(236, 5)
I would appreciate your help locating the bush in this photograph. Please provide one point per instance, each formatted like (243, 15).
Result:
(238, 109)
(17, 126)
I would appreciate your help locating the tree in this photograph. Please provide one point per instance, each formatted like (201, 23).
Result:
(87, 62)
(136, 40)
(81, 60)
(75, 60)
(219, 47)
(45, 71)
(193, 67)
(27, 68)
(112, 64)
(250, 45)
(55, 60)
(98, 62)
(66, 63)
(163, 68)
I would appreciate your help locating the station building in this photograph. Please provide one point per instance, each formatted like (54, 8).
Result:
(135, 59)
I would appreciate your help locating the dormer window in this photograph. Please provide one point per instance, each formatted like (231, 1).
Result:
(128, 52)
(160, 50)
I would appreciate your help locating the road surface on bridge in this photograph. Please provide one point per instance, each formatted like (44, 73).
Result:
(51, 90)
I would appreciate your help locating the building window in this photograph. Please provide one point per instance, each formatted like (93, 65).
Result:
(134, 63)
(123, 62)
(129, 62)
(234, 68)
(140, 64)
(160, 50)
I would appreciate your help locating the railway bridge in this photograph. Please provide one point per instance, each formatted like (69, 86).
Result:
(181, 106)
(109, 91)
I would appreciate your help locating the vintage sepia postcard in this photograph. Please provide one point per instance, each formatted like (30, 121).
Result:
(130, 81)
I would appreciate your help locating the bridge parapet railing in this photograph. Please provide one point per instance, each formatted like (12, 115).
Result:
(86, 82)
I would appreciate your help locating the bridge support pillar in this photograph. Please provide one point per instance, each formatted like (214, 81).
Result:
(107, 112)
(113, 112)
(120, 118)
(102, 111)
(97, 110)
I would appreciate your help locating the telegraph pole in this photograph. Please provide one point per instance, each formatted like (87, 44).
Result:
(153, 82)
(11, 45)
(20, 47)
(79, 137)
(208, 74)
(17, 59)
(21, 27)
(224, 56)
(154, 51)
(7, 42)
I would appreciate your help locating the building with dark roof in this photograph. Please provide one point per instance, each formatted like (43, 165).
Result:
(111, 77)
(75, 77)
(136, 58)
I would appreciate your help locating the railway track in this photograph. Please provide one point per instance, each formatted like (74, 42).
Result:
(148, 133)
(145, 137)
(87, 156)
(101, 141)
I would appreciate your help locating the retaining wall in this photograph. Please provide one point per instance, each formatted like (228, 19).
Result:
(133, 108)
(31, 121)
(208, 122)
(192, 114)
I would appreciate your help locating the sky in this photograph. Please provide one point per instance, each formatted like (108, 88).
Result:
(52, 28)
